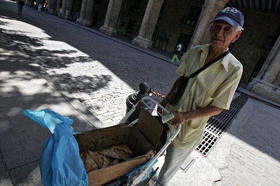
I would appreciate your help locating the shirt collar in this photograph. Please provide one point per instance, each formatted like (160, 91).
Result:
(204, 52)
(225, 62)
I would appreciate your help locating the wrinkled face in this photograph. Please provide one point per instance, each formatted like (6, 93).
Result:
(223, 34)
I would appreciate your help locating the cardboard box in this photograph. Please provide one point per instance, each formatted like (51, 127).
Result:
(141, 138)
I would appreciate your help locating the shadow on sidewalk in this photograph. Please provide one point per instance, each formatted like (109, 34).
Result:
(25, 55)
(24, 84)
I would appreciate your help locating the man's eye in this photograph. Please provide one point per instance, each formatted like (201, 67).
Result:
(227, 29)
(217, 27)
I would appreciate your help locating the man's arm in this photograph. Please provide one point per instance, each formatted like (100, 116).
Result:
(180, 117)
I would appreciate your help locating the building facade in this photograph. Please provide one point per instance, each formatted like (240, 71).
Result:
(162, 24)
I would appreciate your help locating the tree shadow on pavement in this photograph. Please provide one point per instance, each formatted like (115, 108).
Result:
(24, 84)
(24, 57)
(115, 56)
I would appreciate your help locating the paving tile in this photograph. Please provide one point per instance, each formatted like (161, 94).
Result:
(5, 179)
(28, 175)
(21, 140)
(2, 165)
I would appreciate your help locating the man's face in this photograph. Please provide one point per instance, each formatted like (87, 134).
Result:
(223, 34)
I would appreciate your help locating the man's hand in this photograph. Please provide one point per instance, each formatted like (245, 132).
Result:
(179, 118)
(162, 103)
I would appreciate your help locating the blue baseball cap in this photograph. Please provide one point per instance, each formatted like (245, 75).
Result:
(231, 16)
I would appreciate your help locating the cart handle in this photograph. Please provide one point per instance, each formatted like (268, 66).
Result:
(161, 151)
(148, 98)
(144, 101)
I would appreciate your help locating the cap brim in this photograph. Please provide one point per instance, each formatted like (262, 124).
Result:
(227, 20)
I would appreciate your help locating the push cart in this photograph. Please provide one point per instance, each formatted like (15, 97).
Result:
(142, 136)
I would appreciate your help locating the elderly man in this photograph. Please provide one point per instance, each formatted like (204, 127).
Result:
(207, 92)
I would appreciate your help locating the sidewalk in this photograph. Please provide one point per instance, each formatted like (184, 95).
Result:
(247, 154)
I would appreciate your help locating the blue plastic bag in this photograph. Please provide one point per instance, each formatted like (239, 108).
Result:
(60, 161)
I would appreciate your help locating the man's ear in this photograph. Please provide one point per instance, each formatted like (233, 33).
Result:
(236, 37)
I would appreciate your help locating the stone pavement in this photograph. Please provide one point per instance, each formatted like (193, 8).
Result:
(96, 70)
(247, 154)
(22, 87)
(48, 62)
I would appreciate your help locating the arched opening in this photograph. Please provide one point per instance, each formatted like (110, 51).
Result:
(99, 12)
(76, 9)
(176, 24)
(130, 18)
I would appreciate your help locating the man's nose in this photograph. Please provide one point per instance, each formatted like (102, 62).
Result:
(220, 31)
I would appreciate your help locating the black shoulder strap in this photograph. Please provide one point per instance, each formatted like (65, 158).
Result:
(208, 64)
(183, 81)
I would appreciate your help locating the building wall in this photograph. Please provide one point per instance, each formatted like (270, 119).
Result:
(176, 22)
(259, 36)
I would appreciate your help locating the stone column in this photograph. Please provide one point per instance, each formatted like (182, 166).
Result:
(111, 18)
(52, 6)
(209, 11)
(144, 38)
(86, 13)
(267, 82)
(274, 63)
